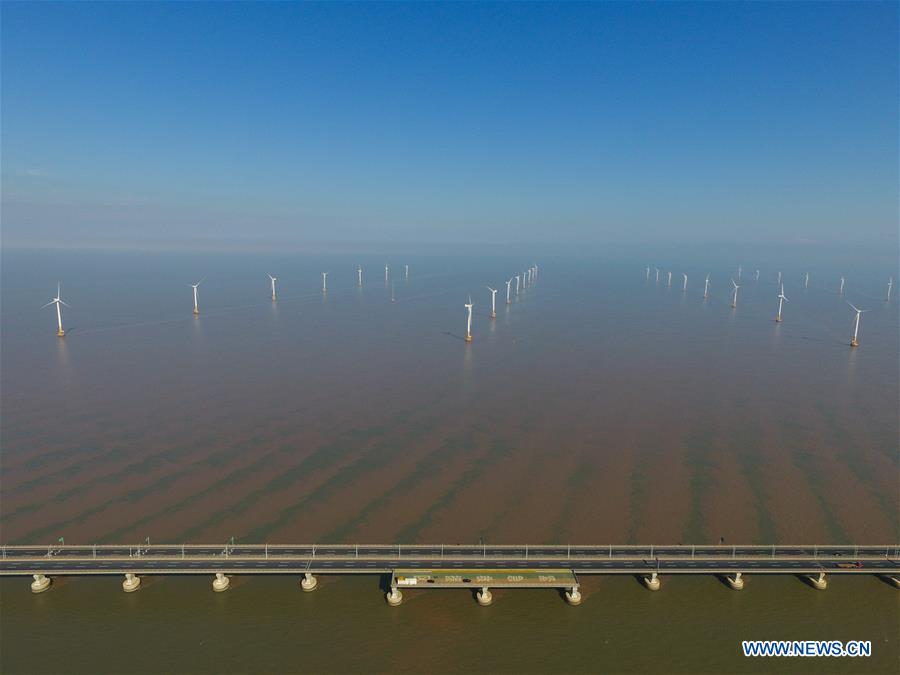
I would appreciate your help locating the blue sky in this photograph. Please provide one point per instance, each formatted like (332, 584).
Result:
(173, 124)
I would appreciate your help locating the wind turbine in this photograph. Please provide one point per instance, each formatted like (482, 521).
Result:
(392, 292)
(779, 277)
(648, 274)
(781, 299)
(740, 270)
(468, 306)
(756, 278)
(806, 281)
(841, 289)
(684, 287)
(854, 341)
(669, 282)
(56, 301)
(706, 287)
(195, 286)
(324, 282)
(359, 275)
(274, 279)
(734, 297)
(508, 284)
(890, 286)
(406, 271)
(386, 269)
(517, 284)
(657, 274)
(493, 302)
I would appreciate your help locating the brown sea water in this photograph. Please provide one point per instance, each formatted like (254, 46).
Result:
(597, 408)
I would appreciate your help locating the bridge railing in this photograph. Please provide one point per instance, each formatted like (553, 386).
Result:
(461, 551)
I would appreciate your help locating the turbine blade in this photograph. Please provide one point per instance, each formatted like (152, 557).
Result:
(48, 304)
(66, 304)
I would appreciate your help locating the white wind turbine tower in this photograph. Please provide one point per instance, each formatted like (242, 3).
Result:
(493, 302)
(273, 279)
(854, 341)
(669, 282)
(734, 297)
(756, 278)
(386, 269)
(359, 275)
(684, 287)
(841, 289)
(517, 284)
(648, 274)
(57, 301)
(890, 286)
(195, 286)
(706, 287)
(469, 320)
(324, 282)
(657, 274)
(779, 277)
(740, 270)
(806, 281)
(406, 271)
(508, 284)
(781, 299)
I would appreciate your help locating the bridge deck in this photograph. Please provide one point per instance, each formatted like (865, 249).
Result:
(386, 558)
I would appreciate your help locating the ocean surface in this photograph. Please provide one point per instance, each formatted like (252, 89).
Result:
(598, 407)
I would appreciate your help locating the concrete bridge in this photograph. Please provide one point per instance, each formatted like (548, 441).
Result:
(450, 565)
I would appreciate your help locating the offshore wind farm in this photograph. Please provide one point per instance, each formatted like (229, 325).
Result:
(314, 346)
(520, 338)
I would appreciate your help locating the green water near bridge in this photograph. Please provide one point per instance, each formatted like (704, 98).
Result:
(267, 624)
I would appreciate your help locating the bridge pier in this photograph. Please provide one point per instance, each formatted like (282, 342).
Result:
(652, 582)
(573, 597)
(132, 583)
(735, 582)
(394, 597)
(892, 580)
(818, 582)
(309, 582)
(484, 596)
(40, 583)
(220, 583)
